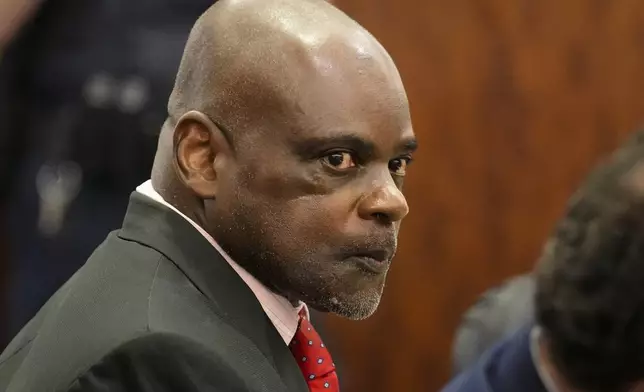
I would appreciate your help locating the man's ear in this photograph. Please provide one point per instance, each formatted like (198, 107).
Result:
(198, 145)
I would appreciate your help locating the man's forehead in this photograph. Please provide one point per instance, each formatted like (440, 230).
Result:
(327, 79)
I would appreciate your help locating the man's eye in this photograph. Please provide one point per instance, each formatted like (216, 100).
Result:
(398, 166)
(340, 160)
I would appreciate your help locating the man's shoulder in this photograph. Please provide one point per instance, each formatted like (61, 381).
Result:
(498, 313)
(114, 279)
(151, 358)
(127, 304)
(103, 306)
(505, 367)
(472, 380)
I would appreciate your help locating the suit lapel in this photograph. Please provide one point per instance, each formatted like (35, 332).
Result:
(285, 363)
(154, 225)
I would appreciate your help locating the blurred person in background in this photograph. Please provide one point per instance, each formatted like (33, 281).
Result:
(503, 310)
(588, 333)
(498, 313)
(83, 90)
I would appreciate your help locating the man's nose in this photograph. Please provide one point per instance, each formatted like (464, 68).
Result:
(385, 203)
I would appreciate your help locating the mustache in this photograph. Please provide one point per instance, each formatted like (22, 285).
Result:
(381, 248)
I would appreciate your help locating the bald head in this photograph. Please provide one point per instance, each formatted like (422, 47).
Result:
(289, 129)
(247, 60)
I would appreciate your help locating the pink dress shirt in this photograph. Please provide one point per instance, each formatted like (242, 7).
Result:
(284, 316)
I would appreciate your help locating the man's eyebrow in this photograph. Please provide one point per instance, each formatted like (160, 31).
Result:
(316, 145)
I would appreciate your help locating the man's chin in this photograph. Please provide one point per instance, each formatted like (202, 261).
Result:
(357, 306)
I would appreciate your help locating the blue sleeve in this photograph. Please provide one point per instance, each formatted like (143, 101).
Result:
(466, 382)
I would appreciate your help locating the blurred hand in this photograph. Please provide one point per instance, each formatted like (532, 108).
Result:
(13, 13)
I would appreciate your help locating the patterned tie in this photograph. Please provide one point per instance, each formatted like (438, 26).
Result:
(314, 359)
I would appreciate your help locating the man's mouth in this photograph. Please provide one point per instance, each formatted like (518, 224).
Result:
(376, 261)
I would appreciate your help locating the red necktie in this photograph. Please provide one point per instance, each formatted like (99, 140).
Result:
(314, 359)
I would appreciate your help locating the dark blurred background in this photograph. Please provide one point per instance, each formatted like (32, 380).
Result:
(513, 102)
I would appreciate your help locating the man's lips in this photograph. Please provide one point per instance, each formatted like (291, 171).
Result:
(373, 260)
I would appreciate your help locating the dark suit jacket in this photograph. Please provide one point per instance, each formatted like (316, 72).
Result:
(155, 308)
(507, 367)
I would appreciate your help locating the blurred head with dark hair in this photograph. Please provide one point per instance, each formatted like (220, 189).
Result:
(589, 299)
(503, 310)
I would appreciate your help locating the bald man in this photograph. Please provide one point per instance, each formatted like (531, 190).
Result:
(276, 186)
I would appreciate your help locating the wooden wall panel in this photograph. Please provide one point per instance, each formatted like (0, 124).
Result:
(513, 101)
